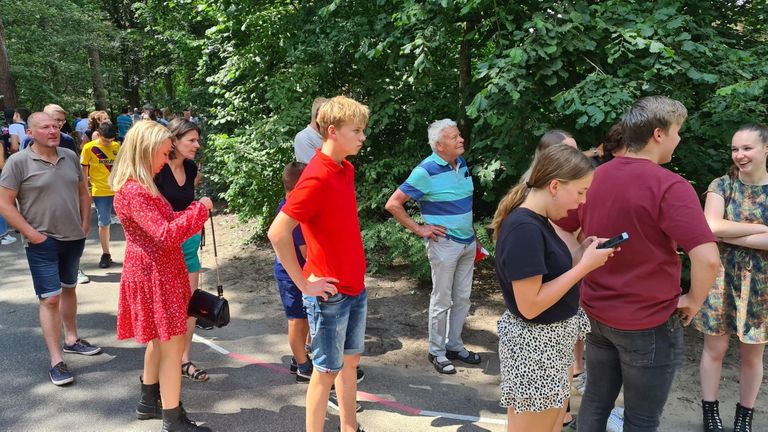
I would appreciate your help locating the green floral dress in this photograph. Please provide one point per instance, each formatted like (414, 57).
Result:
(738, 302)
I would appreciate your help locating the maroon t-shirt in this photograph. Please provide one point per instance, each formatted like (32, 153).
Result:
(324, 203)
(639, 286)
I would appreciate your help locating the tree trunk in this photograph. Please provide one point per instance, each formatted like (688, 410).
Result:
(8, 96)
(465, 79)
(170, 90)
(130, 89)
(99, 94)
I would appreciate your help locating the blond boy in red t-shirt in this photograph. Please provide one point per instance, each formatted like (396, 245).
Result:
(332, 280)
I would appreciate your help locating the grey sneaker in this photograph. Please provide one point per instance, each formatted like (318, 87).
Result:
(82, 346)
(60, 374)
(7, 239)
(82, 278)
(579, 384)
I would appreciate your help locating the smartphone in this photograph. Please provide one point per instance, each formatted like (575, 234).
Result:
(613, 242)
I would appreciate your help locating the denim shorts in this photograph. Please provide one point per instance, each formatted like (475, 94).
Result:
(103, 206)
(53, 264)
(337, 327)
(190, 247)
(292, 299)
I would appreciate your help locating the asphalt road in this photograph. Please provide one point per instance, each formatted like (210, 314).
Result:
(249, 389)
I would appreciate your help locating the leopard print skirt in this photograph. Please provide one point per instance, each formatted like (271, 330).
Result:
(535, 359)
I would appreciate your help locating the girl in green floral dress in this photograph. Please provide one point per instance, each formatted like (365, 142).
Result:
(737, 211)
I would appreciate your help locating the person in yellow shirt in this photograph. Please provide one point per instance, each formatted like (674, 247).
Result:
(97, 158)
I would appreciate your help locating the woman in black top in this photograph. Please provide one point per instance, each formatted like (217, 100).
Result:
(176, 182)
(539, 280)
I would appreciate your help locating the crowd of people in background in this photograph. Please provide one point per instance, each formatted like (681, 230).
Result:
(563, 285)
(77, 130)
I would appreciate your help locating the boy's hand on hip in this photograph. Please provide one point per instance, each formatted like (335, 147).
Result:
(321, 287)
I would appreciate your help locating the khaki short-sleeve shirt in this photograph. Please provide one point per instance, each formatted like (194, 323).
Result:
(48, 194)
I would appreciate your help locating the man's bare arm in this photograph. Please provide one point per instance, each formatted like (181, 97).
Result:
(396, 206)
(15, 219)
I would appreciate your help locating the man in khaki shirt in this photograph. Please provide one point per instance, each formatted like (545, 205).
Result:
(53, 216)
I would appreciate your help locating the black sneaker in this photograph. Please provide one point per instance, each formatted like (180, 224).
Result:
(82, 346)
(60, 374)
(293, 366)
(359, 428)
(303, 376)
(333, 402)
(204, 324)
(360, 378)
(105, 261)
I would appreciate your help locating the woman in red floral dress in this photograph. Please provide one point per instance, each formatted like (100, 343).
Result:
(154, 287)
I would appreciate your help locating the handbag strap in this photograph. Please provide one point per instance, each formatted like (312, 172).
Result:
(219, 288)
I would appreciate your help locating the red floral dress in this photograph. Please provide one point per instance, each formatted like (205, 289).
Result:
(154, 287)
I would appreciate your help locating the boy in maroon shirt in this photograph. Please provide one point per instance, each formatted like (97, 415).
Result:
(634, 302)
(332, 280)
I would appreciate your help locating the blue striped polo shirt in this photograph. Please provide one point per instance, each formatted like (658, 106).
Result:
(444, 195)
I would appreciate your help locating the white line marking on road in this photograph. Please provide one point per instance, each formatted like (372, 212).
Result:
(371, 398)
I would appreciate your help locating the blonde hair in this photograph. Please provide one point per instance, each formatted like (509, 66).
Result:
(558, 162)
(341, 110)
(53, 108)
(134, 160)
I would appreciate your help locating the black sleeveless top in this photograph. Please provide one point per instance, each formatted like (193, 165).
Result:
(182, 196)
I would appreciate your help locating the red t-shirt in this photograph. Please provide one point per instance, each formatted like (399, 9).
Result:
(324, 203)
(639, 286)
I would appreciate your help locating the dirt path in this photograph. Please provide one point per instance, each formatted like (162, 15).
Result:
(396, 331)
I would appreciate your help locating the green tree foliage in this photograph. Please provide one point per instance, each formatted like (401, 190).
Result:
(507, 71)
(150, 52)
(47, 49)
(533, 65)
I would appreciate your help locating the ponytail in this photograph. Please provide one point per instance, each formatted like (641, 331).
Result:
(511, 201)
(558, 162)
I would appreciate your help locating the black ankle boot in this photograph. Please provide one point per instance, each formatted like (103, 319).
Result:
(742, 422)
(176, 420)
(149, 406)
(711, 413)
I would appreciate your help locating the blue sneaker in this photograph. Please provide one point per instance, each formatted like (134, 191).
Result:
(82, 346)
(60, 374)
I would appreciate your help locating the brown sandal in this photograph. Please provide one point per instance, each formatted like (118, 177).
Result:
(198, 375)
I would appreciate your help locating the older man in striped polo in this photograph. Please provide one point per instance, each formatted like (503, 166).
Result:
(442, 185)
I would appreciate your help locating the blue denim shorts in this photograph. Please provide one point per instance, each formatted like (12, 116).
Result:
(337, 327)
(292, 299)
(104, 209)
(53, 264)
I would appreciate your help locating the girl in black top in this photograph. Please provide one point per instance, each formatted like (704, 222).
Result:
(539, 280)
(176, 182)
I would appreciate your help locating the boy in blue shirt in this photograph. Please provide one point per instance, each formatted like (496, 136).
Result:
(290, 295)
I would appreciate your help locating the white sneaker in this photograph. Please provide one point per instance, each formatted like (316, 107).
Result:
(114, 220)
(82, 278)
(7, 239)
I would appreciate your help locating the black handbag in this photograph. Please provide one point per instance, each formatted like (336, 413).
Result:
(207, 306)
